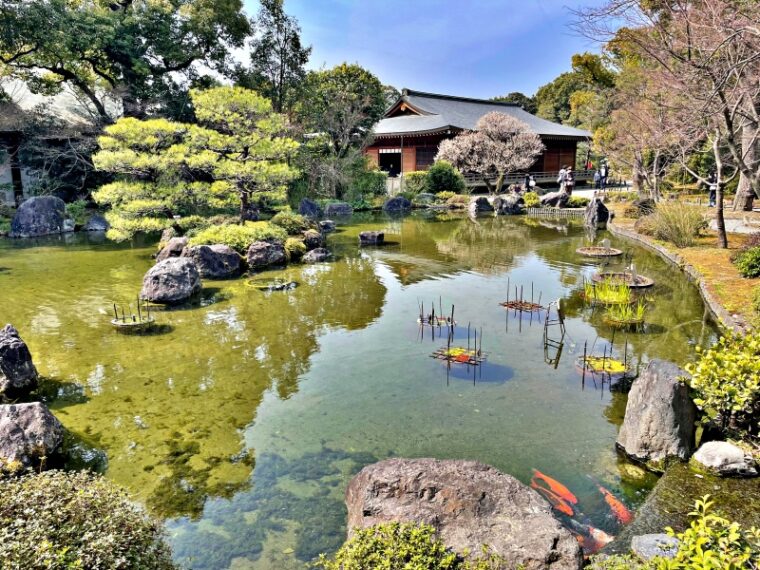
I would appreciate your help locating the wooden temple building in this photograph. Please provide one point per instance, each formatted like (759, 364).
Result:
(407, 138)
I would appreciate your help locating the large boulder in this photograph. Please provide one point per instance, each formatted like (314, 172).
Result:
(371, 238)
(397, 204)
(660, 417)
(555, 199)
(96, 223)
(18, 375)
(262, 254)
(214, 261)
(469, 504)
(312, 239)
(39, 216)
(597, 215)
(171, 281)
(724, 459)
(310, 209)
(173, 248)
(316, 255)
(479, 205)
(336, 209)
(327, 226)
(29, 433)
(508, 204)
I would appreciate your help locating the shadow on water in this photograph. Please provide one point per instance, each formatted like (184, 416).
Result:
(484, 373)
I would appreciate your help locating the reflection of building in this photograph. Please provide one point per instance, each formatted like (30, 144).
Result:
(407, 138)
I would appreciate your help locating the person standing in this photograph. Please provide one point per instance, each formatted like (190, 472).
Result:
(561, 178)
(569, 180)
(604, 174)
(712, 187)
(597, 179)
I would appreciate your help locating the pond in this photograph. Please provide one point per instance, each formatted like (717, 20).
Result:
(241, 420)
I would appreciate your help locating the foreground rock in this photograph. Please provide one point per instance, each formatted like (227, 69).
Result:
(96, 223)
(660, 417)
(648, 546)
(397, 204)
(310, 209)
(508, 205)
(173, 248)
(327, 226)
(18, 375)
(555, 199)
(469, 504)
(39, 216)
(479, 205)
(263, 254)
(171, 281)
(597, 215)
(371, 238)
(316, 255)
(214, 261)
(338, 209)
(28, 434)
(724, 459)
(312, 239)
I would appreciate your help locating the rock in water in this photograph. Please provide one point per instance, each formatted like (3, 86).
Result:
(555, 199)
(508, 205)
(479, 204)
(397, 204)
(39, 216)
(327, 226)
(371, 238)
(173, 248)
(262, 254)
(312, 239)
(469, 504)
(214, 261)
(316, 255)
(660, 417)
(597, 214)
(96, 223)
(724, 459)
(338, 209)
(18, 375)
(310, 209)
(171, 281)
(28, 433)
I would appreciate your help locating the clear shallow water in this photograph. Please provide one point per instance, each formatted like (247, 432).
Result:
(243, 420)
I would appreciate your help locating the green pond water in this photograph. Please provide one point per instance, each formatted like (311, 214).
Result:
(241, 420)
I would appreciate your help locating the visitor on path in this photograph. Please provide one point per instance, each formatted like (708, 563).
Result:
(712, 187)
(561, 177)
(597, 179)
(569, 180)
(604, 173)
(530, 183)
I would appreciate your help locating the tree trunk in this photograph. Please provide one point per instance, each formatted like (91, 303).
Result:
(720, 221)
(639, 178)
(248, 212)
(745, 194)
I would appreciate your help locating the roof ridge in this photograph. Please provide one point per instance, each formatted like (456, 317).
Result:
(407, 92)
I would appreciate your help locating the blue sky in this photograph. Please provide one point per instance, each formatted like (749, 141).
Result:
(476, 48)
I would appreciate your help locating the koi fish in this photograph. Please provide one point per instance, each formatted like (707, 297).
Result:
(589, 545)
(600, 536)
(555, 500)
(557, 487)
(587, 530)
(621, 512)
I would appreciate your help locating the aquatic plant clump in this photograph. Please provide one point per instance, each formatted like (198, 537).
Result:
(628, 278)
(523, 306)
(460, 355)
(608, 292)
(631, 314)
(598, 251)
(603, 365)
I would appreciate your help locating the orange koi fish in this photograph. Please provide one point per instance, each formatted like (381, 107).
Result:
(621, 512)
(555, 500)
(600, 536)
(557, 487)
(589, 545)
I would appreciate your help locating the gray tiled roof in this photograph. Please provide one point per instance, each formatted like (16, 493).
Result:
(444, 111)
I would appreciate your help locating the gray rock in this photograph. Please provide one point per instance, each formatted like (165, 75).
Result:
(555, 199)
(96, 223)
(397, 204)
(28, 434)
(171, 281)
(309, 208)
(173, 248)
(214, 261)
(660, 417)
(337, 209)
(312, 239)
(647, 546)
(479, 204)
(724, 459)
(18, 375)
(262, 254)
(68, 226)
(469, 504)
(316, 255)
(327, 226)
(39, 216)
(167, 234)
(597, 215)
(508, 205)
(371, 238)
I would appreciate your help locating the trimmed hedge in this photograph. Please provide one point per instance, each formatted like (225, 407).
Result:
(237, 236)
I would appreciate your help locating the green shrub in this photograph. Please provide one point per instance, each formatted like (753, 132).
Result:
(444, 196)
(238, 237)
(61, 520)
(577, 202)
(748, 262)
(295, 248)
(531, 200)
(615, 562)
(458, 201)
(726, 382)
(416, 182)
(291, 222)
(443, 177)
(756, 298)
(401, 546)
(369, 181)
(674, 222)
(77, 211)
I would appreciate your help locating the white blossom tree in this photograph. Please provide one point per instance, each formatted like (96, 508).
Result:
(501, 144)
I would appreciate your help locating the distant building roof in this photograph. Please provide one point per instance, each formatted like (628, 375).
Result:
(420, 113)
